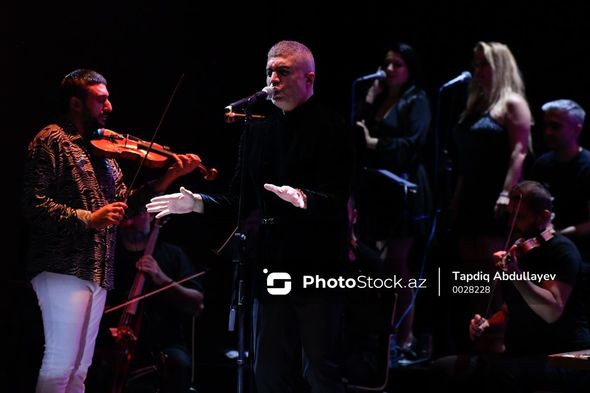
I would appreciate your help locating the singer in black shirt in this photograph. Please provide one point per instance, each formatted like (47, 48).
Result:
(295, 168)
(395, 122)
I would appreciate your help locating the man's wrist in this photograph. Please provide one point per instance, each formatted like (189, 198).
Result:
(503, 198)
(85, 216)
(372, 143)
(302, 199)
(198, 205)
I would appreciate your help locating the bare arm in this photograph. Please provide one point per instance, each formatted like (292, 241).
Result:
(518, 123)
(188, 299)
(547, 301)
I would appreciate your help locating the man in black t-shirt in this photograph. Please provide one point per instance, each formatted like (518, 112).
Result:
(544, 311)
(565, 171)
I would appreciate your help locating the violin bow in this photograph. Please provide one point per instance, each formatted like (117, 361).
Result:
(157, 225)
(155, 291)
(149, 149)
(506, 244)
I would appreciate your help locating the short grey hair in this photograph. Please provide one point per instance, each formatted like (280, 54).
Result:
(293, 48)
(572, 108)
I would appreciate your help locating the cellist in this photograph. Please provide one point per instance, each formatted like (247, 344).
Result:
(73, 201)
(162, 324)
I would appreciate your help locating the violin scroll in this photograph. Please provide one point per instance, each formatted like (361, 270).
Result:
(208, 174)
(506, 259)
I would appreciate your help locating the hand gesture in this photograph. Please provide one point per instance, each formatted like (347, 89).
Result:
(108, 215)
(375, 89)
(149, 266)
(178, 203)
(369, 140)
(184, 164)
(477, 325)
(287, 193)
(507, 260)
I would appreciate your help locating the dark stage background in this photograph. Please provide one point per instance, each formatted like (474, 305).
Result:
(143, 47)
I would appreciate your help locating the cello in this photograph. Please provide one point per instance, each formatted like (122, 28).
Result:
(126, 333)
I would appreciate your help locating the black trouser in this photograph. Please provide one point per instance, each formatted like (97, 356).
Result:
(178, 367)
(283, 328)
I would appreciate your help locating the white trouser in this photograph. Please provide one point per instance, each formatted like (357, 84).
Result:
(71, 310)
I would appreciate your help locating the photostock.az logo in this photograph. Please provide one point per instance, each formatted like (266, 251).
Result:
(278, 278)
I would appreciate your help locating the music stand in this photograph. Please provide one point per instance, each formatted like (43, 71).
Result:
(407, 185)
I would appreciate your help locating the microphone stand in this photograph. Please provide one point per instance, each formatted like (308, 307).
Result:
(437, 153)
(443, 162)
(353, 103)
(237, 306)
(238, 298)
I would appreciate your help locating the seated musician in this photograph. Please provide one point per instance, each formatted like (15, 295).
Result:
(164, 334)
(544, 309)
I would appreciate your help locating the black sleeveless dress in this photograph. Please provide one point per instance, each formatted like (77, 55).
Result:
(483, 160)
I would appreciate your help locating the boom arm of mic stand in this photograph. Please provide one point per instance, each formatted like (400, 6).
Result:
(231, 117)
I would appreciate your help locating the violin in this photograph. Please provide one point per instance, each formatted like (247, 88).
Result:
(109, 144)
(522, 246)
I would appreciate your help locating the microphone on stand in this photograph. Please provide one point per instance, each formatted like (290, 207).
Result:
(463, 78)
(231, 117)
(376, 75)
(244, 103)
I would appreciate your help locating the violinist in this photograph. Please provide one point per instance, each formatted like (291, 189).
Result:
(492, 142)
(536, 319)
(74, 200)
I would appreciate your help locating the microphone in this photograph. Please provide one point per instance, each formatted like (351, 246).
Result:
(376, 75)
(266, 92)
(463, 78)
(230, 117)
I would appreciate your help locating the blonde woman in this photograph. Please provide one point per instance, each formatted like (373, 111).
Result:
(492, 139)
